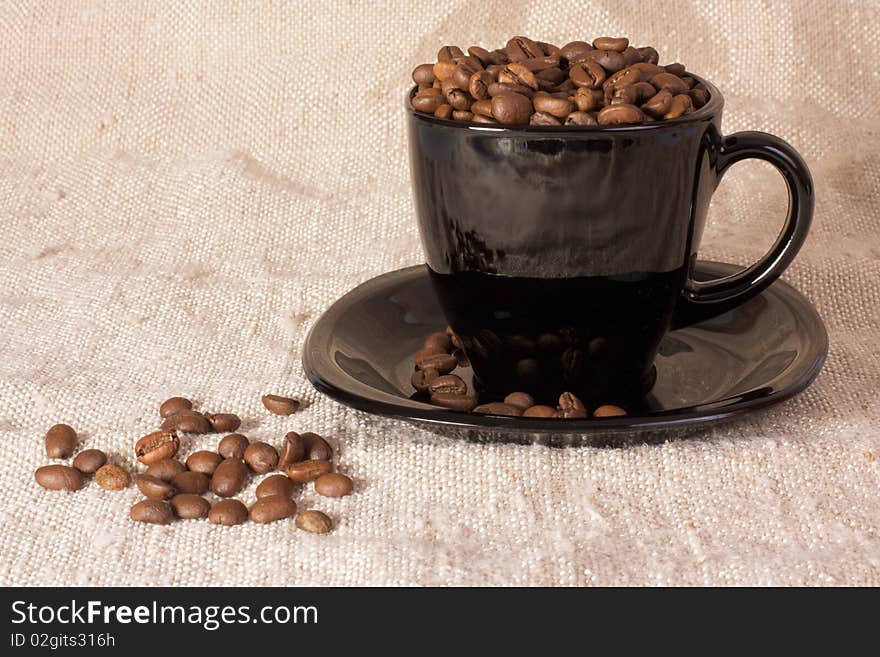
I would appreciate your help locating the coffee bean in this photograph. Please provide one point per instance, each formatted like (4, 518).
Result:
(449, 383)
(498, 408)
(510, 109)
(306, 471)
(519, 48)
(293, 450)
(558, 107)
(223, 422)
(675, 68)
(610, 60)
(188, 422)
(466, 67)
(482, 54)
(333, 484)
(428, 101)
(580, 118)
(190, 507)
(421, 379)
(191, 482)
(658, 104)
(443, 112)
(59, 477)
(540, 411)
(699, 96)
(443, 71)
(671, 83)
(623, 78)
(317, 448)
(521, 400)
(627, 95)
(647, 71)
(644, 91)
(439, 341)
(165, 469)
(314, 522)
(448, 53)
(174, 405)
(203, 461)
(631, 56)
(689, 81)
(157, 446)
(60, 441)
(280, 405)
(154, 488)
(571, 407)
(609, 410)
(538, 64)
(649, 55)
(554, 75)
(462, 115)
(233, 446)
(458, 99)
(229, 478)
(112, 477)
(618, 44)
(587, 100)
(482, 107)
(453, 402)
(271, 508)
(544, 119)
(261, 457)
(228, 512)
(498, 88)
(681, 105)
(576, 51)
(518, 74)
(618, 114)
(423, 75)
(278, 484)
(587, 74)
(152, 511)
(89, 460)
(442, 362)
(478, 85)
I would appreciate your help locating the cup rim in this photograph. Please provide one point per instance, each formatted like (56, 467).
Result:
(716, 102)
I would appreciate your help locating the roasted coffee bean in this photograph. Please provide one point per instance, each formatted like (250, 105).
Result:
(611, 43)
(271, 508)
(292, 450)
(278, 484)
(649, 55)
(165, 469)
(333, 484)
(482, 54)
(428, 100)
(229, 478)
(498, 408)
(423, 75)
(627, 95)
(89, 460)
(544, 119)
(439, 341)
(610, 60)
(520, 48)
(478, 85)
(479, 118)
(188, 422)
(538, 64)
(306, 471)
(587, 100)
(280, 405)
(464, 70)
(112, 477)
(60, 441)
(312, 521)
(498, 88)
(571, 407)
(203, 461)
(422, 378)
(623, 78)
(644, 91)
(443, 71)
(462, 115)
(510, 109)
(554, 75)
(518, 74)
(618, 114)
(154, 488)
(699, 96)
(482, 107)
(658, 104)
(453, 401)
(152, 511)
(59, 477)
(190, 507)
(631, 56)
(458, 99)
(671, 83)
(449, 383)
(675, 68)
(261, 457)
(443, 112)
(223, 422)
(521, 400)
(681, 105)
(580, 118)
(448, 53)
(576, 51)
(587, 74)
(540, 411)
(191, 482)
(689, 81)
(233, 446)
(558, 107)
(175, 405)
(317, 448)
(609, 410)
(441, 362)
(157, 446)
(228, 512)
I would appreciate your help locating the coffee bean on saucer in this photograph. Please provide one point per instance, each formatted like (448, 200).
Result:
(203, 461)
(421, 379)
(174, 405)
(59, 477)
(154, 488)
(333, 484)
(454, 402)
(89, 460)
(271, 508)
(223, 422)
(112, 477)
(280, 405)
(228, 512)
(191, 482)
(165, 469)
(571, 407)
(448, 383)
(261, 457)
(233, 446)
(157, 446)
(277, 484)
(154, 512)
(190, 507)
(312, 521)
(229, 477)
(498, 408)
(540, 411)
(609, 410)
(187, 422)
(60, 441)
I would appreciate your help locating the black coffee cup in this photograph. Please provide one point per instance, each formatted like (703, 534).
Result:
(561, 256)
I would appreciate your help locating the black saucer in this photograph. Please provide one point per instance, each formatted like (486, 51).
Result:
(361, 353)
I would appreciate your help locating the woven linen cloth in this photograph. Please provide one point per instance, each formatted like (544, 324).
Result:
(186, 186)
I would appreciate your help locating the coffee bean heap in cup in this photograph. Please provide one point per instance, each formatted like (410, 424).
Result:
(174, 489)
(606, 82)
(442, 352)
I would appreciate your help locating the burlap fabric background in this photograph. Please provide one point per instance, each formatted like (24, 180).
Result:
(186, 186)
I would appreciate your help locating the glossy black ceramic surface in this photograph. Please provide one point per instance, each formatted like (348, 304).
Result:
(762, 352)
(586, 237)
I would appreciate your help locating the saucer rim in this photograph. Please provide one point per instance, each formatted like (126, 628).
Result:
(422, 412)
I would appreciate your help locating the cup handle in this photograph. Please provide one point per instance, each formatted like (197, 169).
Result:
(701, 300)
